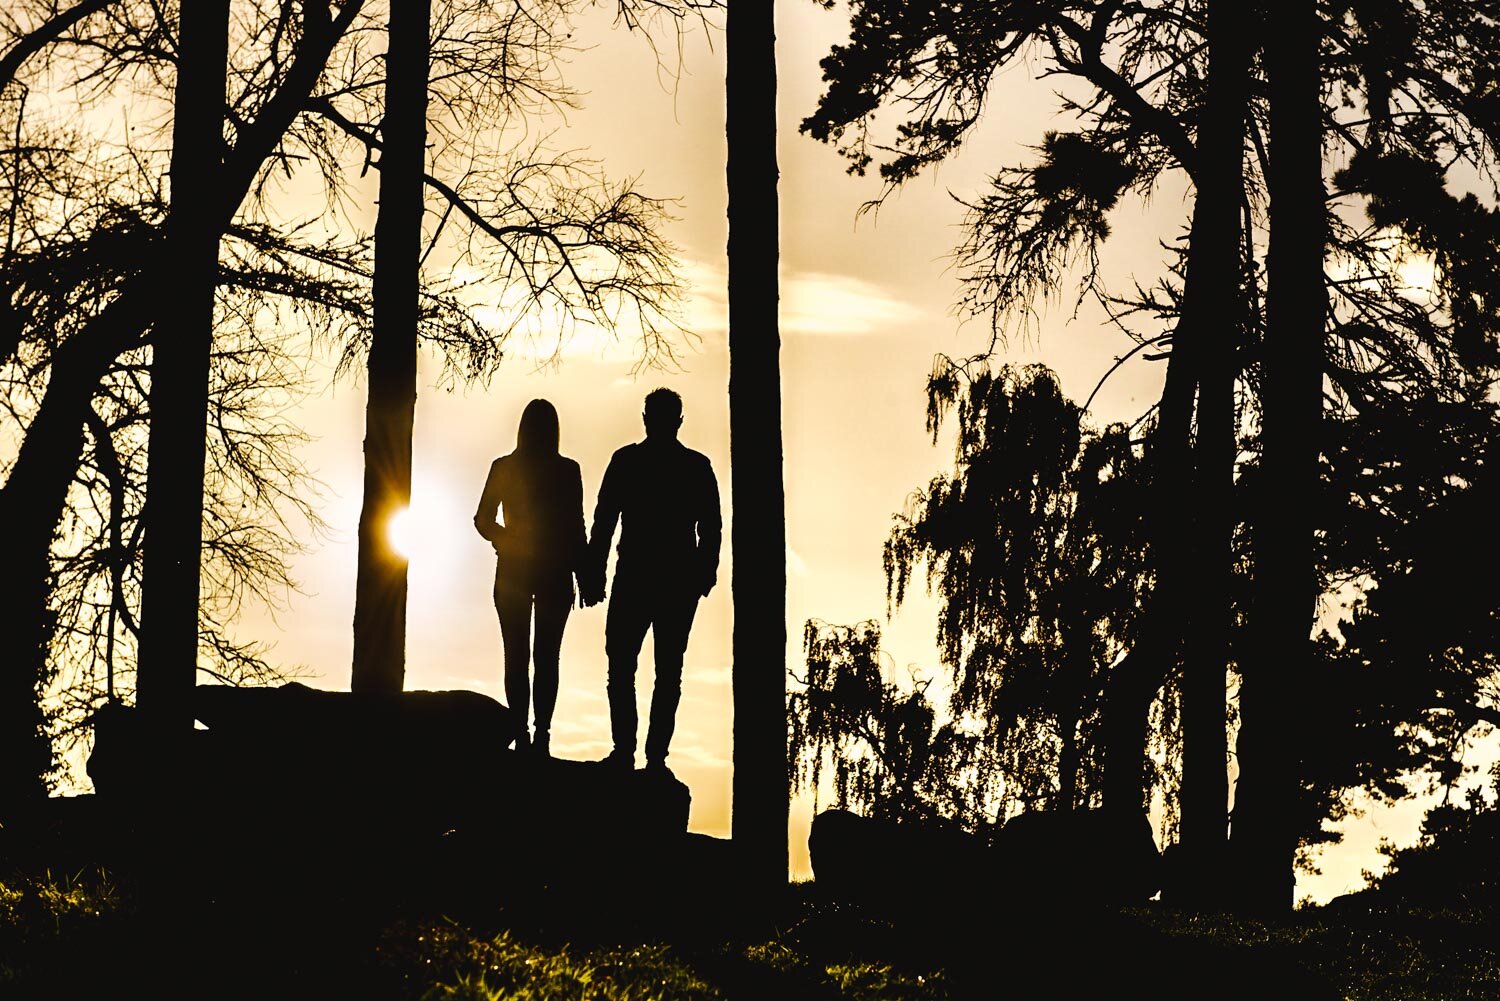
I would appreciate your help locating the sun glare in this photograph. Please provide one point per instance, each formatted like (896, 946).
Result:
(403, 530)
(428, 533)
(1417, 271)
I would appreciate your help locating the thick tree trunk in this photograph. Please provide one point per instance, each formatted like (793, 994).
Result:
(1265, 837)
(182, 343)
(1214, 313)
(380, 586)
(758, 538)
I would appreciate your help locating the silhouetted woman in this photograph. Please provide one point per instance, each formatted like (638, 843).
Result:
(537, 548)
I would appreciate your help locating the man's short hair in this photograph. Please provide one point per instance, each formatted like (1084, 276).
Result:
(663, 402)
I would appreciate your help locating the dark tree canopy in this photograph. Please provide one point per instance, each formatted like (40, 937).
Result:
(1034, 546)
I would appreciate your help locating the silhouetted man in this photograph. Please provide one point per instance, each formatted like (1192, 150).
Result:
(667, 500)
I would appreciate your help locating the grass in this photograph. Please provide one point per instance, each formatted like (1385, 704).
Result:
(448, 961)
(1384, 953)
(83, 935)
(50, 920)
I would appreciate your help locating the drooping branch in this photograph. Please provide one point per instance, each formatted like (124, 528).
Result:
(1090, 65)
(43, 35)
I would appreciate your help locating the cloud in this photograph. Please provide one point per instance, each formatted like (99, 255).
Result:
(813, 303)
(590, 723)
(821, 304)
(717, 676)
(693, 754)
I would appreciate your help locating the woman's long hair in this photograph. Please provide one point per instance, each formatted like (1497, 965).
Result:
(538, 432)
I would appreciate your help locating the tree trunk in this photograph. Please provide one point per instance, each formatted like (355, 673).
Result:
(1213, 311)
(182, 343)
(1072, 706)
(30, 506)
(1285, 596)
(1134, 682)
(758, 540)
(1067, 763)
(380, 586)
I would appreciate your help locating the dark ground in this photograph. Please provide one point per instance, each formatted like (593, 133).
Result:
(389, 932)
(592, 905)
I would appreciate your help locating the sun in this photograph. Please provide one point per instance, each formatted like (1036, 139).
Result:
(404, 531)
(429, 533)
(1417, 271)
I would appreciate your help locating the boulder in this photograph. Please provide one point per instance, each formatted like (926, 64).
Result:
(1083, 856)
(293, 759)
(408, 781)
(589, 806)
(880, 861)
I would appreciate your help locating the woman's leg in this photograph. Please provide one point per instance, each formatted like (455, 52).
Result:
(552, 608)
(514, 608)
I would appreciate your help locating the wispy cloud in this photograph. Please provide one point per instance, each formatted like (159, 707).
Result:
(825, 304)
(716, 676)
(814, 303)
(693, 754)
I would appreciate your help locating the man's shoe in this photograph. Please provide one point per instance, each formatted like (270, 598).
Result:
(619, 761)
(541, 745)
(657, 766)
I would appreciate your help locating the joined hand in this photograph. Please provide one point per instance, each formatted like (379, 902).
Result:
(590, 588)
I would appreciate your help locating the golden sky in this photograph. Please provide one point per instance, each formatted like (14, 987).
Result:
(865, 305)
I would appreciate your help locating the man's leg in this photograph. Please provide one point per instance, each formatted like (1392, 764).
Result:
(625, 626)
(513, 605)
(673, 621)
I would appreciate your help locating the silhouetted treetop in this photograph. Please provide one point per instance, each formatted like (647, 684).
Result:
(938, 62)
(890, 756)
(1035, 545)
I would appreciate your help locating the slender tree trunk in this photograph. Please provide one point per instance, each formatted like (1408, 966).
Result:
(1134, 682)
(758, 539)
(1067, 763)
(1080, 676)
(1214, 313)
(182, 343)
(380, 587)
(1265, 837)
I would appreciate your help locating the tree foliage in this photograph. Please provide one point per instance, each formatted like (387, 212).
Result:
(1034, 546)
(891, 757)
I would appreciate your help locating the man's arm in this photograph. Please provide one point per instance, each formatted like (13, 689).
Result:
(489, 500)
(710, 531)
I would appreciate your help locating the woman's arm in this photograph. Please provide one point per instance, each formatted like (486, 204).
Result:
(578, 542)
(489, 500)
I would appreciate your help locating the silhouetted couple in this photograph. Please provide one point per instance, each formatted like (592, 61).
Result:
(666, 499)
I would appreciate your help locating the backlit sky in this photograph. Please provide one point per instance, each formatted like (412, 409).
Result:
(865, 306)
